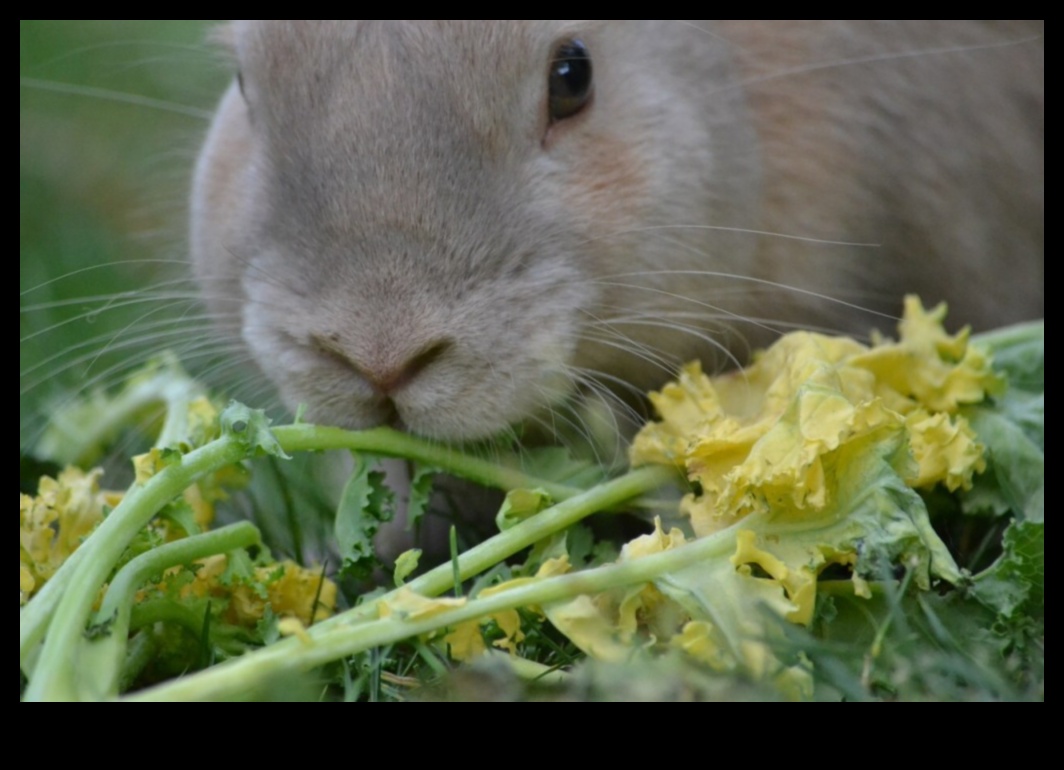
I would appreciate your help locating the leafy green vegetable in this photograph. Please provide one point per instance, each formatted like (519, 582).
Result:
(906, 646)
(251, 429)
(520, 505)
(1015, 585)
(405, 566)
(79, 431)
(557, 464)
(1015, 482)
(1012, 426)
(818, 588)
(367, 504)
(420, 495)
(1019, 354)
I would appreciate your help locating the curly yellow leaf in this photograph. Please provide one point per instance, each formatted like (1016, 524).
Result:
(798, 583)
(294, 627)
(57, 521)
(946, 449)
(407, 605)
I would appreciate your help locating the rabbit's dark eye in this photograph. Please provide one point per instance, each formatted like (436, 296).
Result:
(571, 80)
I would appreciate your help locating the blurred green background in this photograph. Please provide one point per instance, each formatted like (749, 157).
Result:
(111, 117)
(111, 112)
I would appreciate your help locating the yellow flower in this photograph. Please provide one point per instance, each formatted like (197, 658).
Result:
(203, 422)
(946, 450)
(407, 605)
(298, 593)
(466, 641)
(150, 464)
(612, 625)
(819, 443)
(699, 639)
(931, 368)
(592, 627)
(291, 592)
(56, 522)
(771, 437)
(294, 627)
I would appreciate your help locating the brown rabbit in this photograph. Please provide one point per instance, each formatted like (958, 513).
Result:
(455, 225)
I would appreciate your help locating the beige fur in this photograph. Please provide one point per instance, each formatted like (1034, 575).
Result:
(397, 232)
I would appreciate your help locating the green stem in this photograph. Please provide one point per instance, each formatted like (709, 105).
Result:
(392, 443)
(524, 535)
(174, 389)
(169, 611)
(895, 612)
(103, 659)
(57, 666)
(352, 635)
(73, 444)
(456, 570)
(142, 651)
(33, 619)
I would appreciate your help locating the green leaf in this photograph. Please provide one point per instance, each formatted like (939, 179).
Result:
(180, 513)
(240, 570)
(1015, 479)
(580, 543)
(1015, 585)
(81, 430)
(558, 465)
(1027, 410)
(266, 629)
(911, 646)
(367, 503)
(1012, 427)
(406, 565)
(251, 428)
(522, 504)
(1036, 507)
(420, 495)
(1019, 354)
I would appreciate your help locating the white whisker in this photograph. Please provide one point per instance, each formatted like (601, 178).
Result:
(856, 61)
(120, 97)
(738, 231)
(131, 300)
(105, 266)
(153, 337)
(820, 296)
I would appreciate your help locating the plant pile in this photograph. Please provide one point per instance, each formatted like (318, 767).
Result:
(857, 522)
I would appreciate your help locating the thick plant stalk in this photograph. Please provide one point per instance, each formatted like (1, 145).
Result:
(58, 662)
(104, 657)
(391, 443)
